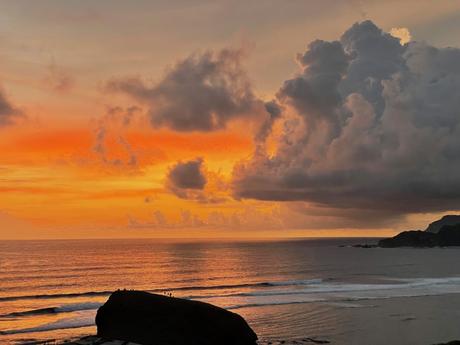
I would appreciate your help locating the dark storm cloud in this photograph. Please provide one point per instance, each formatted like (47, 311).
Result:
(274, 111)
(8, 113)
(188, 180)
(200, 93)
(314, 92)
(187, 175)
(373, 125)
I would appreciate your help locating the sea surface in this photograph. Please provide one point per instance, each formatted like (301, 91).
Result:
(289, 290)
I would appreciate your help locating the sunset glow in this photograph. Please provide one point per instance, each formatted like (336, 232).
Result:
(94, 120)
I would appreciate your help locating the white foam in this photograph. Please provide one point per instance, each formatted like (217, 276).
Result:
(339, 293)
(436, 284)
(296, 282)
(77, 307)
(282, 293)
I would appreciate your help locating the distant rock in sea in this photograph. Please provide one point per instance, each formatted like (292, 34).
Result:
(365, 246)
(443, 232)
(446, 220)
(152, 319)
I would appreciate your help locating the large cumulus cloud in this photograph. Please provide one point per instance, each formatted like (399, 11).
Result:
(203, 92)
(369, 124)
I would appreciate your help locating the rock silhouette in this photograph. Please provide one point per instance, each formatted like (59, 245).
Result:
(448, 235)
(152, 319)
(446, 220)
(412, 238)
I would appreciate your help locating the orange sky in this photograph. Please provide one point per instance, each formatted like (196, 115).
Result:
(56, 58)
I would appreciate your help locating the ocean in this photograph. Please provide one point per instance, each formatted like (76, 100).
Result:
(288, 290)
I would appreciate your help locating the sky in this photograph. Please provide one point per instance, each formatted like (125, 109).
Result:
(227, 118)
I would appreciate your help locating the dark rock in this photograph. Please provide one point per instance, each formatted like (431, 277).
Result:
(152, 319)
(446, 220)
(448, 235)
(366, 246)
(453, 342)
(413, 238)
(315, 341)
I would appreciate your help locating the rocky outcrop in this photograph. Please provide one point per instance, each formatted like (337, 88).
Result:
(448, 235)
(152, 319)
(93, 340)
(365, 246)
(413, 238)
(446, 220)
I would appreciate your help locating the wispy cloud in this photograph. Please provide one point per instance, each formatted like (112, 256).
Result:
(59, 79)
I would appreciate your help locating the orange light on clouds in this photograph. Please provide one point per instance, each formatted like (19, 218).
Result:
(71, 166)
(54, 177)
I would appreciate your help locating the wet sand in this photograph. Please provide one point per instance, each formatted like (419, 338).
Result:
(408, 321)
(395, 321)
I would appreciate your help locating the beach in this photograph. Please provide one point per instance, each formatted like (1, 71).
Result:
(401, 321)
(288, 291)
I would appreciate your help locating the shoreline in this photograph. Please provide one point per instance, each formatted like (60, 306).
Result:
(416, 320)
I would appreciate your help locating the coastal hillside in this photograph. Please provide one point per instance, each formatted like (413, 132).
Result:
(449, 219)
(444, 232)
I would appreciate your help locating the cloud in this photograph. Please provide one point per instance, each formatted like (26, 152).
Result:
(113, 122)
(187, 175)
(248, 218)
(273, 110)
(402, 33)
(126, 115)
(370, 124)
(189, 180)
(59, 79)
(8, 113)
(202, 92)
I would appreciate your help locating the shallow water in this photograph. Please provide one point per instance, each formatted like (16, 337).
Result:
(286, 289)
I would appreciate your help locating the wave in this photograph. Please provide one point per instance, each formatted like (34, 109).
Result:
(57, 295)
(61, 324)
(288, 292)
(337, 292)
(341, 303)
(313, 286)
(296, 282)
(79, 322)
(342, 295)
(328, 288)
(181, 288)
(273, 303)
(66, 308)
(94, 305)
(293, 292)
